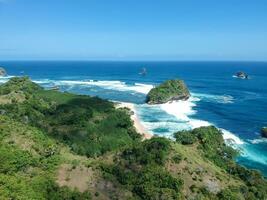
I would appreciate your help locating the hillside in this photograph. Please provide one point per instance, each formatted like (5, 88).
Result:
(57, 145)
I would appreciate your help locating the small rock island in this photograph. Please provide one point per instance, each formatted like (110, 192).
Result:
(264, 132)
(170, 90)
(2, 71)
(241, 75)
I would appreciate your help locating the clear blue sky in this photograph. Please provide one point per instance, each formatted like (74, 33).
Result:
(133, 29)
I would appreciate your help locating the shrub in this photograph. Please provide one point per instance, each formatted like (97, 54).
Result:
(185, 137)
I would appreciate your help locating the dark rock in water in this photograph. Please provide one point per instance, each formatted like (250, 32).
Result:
(242, 75)
(264, 132)
(2, 71)
(170, 90)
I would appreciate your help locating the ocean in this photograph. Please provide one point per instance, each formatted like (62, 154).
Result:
(237, 107)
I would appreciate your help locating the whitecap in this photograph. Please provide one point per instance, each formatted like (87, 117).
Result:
(4, 79)
(111, 85)
(258, 141)
(224, 99)
(230, 138)
(251, 152)
(180, 109)
(196, 123)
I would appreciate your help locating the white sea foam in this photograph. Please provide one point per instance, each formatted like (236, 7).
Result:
(112, 85)
(251, 153)
(4, 79)
(196, 123)
(230, 138)
(180, 109)
(183, 110)
(258, 141)
(224, 99)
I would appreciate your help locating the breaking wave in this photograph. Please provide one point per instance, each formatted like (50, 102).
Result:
(224, 99)
(111, 85)
(4, 79)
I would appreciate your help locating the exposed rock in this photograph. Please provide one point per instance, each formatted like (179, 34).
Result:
(170, 90)
(264, 132)
(242, 75)
(2, 71)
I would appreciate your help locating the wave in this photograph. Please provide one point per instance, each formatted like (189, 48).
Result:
(196, 123)
(180, 109)
(224, 99)
(230, 138)
(183, 110)
(258, 141)
(252, 152)
(111, 85)
(4, 79)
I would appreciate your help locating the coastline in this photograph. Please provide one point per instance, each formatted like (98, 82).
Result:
(137, 123)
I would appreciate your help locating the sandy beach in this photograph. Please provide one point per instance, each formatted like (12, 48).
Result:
(138, 125)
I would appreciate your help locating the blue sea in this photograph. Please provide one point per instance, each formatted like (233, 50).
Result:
(238, 107)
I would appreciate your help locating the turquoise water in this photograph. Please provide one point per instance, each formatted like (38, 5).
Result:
(238, 107)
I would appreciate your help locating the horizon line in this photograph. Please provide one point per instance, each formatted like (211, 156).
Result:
(118, 60)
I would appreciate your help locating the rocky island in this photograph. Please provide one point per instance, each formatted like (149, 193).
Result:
(170, 90)
(241, 75)
(2, 71)
(264, 132)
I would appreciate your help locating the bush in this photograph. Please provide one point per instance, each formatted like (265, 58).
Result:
(177, 158)
(153, 151)
(185, 137)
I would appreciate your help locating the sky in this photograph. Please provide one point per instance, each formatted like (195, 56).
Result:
(133, 30)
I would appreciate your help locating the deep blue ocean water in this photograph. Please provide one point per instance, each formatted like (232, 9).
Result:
(238, 107)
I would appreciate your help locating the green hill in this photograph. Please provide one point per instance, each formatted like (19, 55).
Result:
(169, 90)
(57, 145)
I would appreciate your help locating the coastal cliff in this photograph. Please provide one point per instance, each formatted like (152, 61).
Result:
(169, 90)
(63, 146)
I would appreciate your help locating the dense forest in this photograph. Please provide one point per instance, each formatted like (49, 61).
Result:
(60, 146)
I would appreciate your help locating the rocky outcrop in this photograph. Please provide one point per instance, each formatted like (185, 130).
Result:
(264, 132)
(242, 75)
(2, 71)
(170, 90)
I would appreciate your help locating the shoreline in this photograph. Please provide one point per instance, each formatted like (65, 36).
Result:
(137, 123)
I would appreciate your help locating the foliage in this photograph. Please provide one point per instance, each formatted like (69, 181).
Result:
(14, 160)
(211, 143)
(19, 84)
(185, 137)
(149, 152)
(254, 180)
(141, 170)
(89, 125)
(169, 90)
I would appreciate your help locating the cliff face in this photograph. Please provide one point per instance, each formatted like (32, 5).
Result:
(168, 91)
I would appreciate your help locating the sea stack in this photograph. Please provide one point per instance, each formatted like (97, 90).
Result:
(264, 132)
(170, 90)
(2, 71)
(241, 75)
